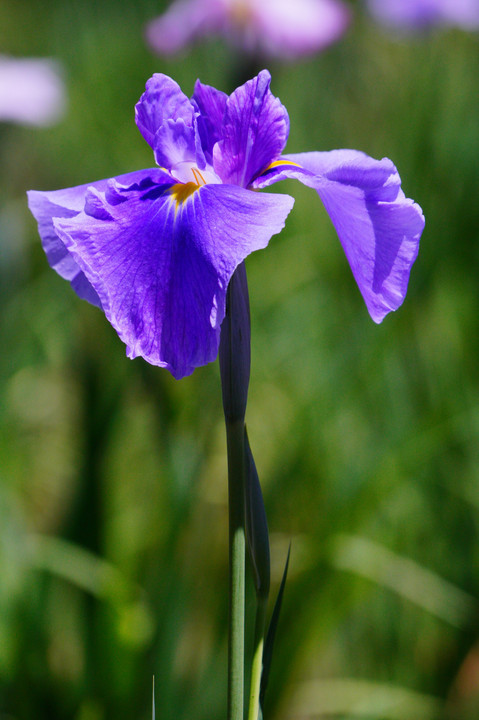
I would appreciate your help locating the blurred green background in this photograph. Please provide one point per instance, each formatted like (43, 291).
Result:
(113, 535)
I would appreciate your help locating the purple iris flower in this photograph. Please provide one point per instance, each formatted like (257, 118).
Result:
(156, 249)
(423, 14)
(31, 91)
(279, 28)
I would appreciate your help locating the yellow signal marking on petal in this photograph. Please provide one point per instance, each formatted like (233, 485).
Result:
(278, 163)
(182, 191)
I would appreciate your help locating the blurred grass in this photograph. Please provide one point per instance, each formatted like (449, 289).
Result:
(358, 430)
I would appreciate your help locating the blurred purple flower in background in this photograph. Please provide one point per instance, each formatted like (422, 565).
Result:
(156, 249)
(423, 14)
(31, 91)
(280, 28)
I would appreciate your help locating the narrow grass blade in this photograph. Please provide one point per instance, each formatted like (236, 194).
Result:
(350, 697)
(270, 637)
(404, 576)
(153, 700)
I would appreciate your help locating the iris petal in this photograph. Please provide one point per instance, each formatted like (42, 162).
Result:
(162, 271)
(68, 203)
(255, 131)
(211, 104)
(162, 100)
(174, 143)
(379, 228)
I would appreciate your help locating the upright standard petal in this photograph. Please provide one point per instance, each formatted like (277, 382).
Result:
(211, 104)
(162, 100)
(379, 228)
(175, 143)
(255, 131)
(161, 261)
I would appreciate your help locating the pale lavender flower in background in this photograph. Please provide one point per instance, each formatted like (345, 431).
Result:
(32, 91)
(280, 28)
(423, 14)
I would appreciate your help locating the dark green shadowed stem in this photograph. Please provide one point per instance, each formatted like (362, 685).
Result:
(234, 357)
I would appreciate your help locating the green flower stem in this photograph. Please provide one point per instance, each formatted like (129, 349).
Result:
(235, 449)
(257, 665)
(234, 357)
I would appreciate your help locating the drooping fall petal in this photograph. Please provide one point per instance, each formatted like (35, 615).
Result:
(161, 264)
(379, 228)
